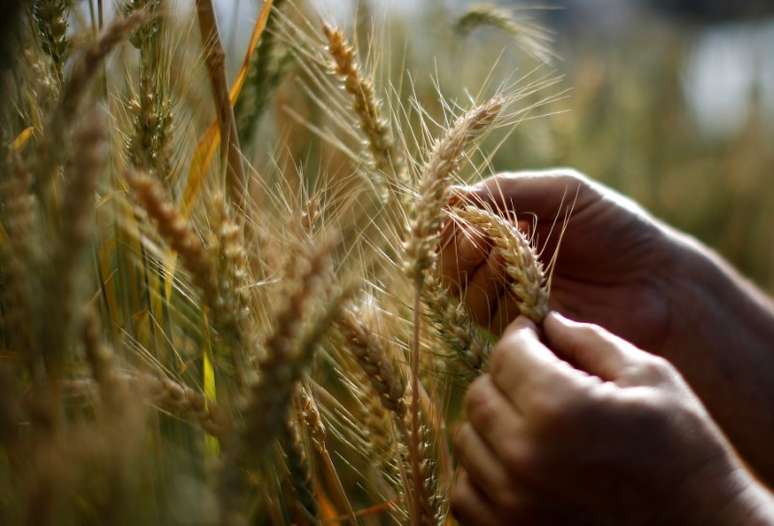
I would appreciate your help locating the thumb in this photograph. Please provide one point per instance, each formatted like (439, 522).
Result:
(589, 347)
(541, 193)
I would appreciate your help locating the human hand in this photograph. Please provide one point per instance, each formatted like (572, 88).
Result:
(615, 265)
(600, 432)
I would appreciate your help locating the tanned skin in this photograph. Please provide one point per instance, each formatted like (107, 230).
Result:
(595, 429)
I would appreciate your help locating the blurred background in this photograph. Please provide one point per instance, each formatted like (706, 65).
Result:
(669, 101)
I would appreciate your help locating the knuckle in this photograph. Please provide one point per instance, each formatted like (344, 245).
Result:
(477, 397)
(499, 357)
(655, 368)
(591, 331)
(480, 406)
(547, 405)
(516, 458)
(548, 399)
(506, 500)
(554, 410)
(459, 440)
(573, 178)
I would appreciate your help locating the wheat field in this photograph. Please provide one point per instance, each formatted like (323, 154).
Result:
(219, 301)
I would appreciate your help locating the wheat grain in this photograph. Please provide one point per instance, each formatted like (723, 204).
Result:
(310, 413)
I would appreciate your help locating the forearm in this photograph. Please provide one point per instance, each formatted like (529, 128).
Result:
(722, 340)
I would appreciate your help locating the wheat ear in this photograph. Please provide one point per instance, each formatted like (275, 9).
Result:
(18, 252)
(234, 320)
(163, 393)
(50, 152)
(454, 325)
(299, 468)
(528, 281)
(183, 240)
(375, 360)
(51, 20)
(287, 353)
(442, 164)
(175, 230)
(530, 37)
(368, 109)
(310, 414)
(180, 400)
(64, 272)
(148, 148)
(100, 358)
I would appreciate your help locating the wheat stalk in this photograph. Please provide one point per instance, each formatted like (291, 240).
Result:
(215, 59)
(527, 278)
(442, 164)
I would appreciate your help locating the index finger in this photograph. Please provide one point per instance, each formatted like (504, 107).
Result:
(520, 361)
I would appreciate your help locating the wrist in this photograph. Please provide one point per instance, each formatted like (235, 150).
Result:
(712, 307)
(720, 334)
(746, 503)
(723, 493)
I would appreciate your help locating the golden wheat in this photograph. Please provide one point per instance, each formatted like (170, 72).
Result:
(524, 271)
(368, 109)
(443, 162)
